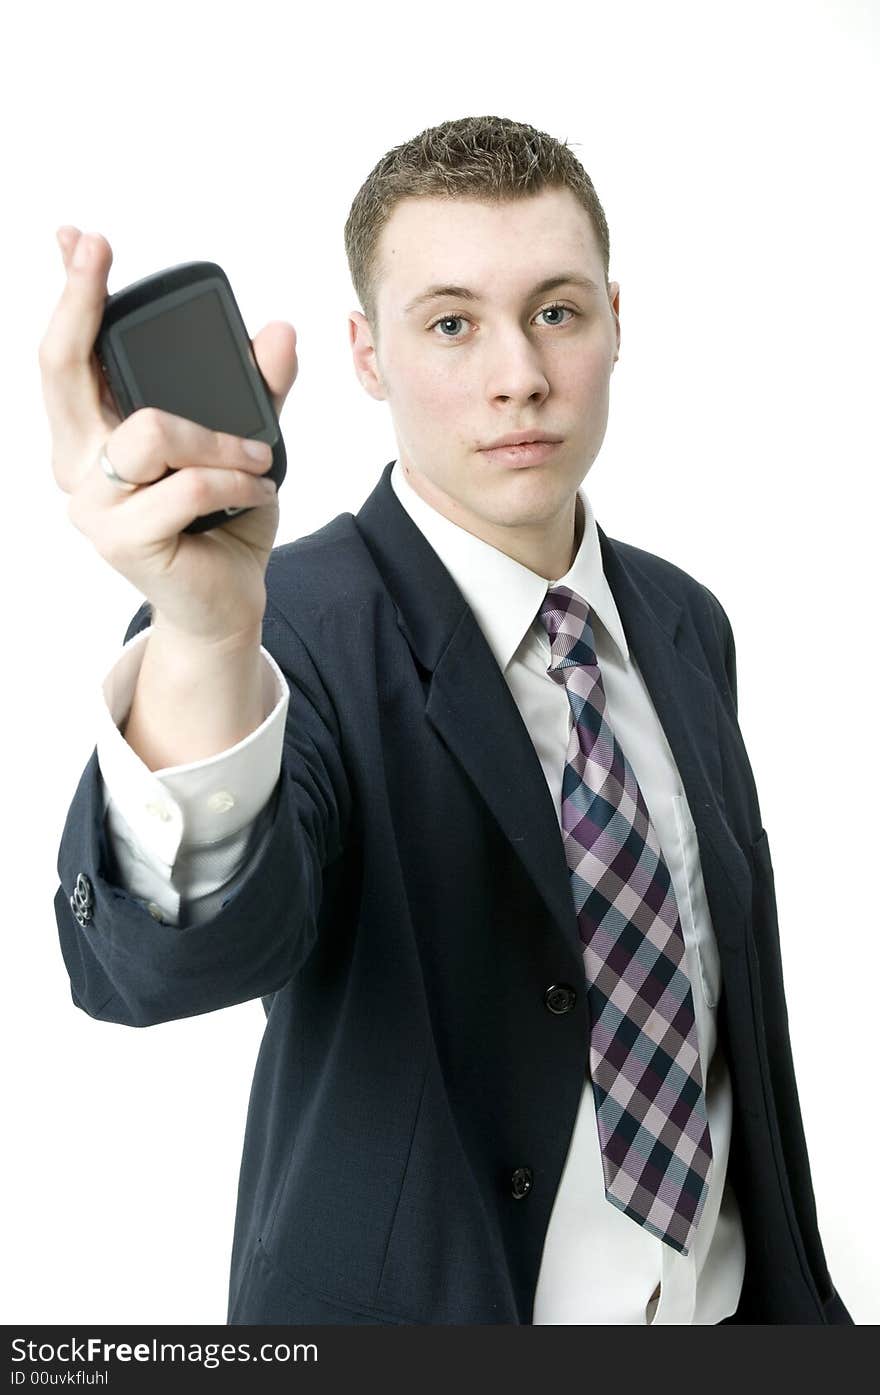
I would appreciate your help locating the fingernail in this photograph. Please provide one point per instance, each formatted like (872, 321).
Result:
(83, 254)
(257, 450)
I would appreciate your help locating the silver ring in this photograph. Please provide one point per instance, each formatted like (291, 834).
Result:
(113, 477)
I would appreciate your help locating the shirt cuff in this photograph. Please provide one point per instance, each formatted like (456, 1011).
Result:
(187, 806)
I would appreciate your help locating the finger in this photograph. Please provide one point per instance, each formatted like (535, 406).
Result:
(67, 237)
(275, 352)
(150, 442)
(153, 515)
(70, 376)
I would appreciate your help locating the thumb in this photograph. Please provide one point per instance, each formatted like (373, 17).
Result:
(275, 353)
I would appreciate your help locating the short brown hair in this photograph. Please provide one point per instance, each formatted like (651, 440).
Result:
(490, 158)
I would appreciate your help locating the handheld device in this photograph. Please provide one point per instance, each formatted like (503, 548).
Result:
(177, 340)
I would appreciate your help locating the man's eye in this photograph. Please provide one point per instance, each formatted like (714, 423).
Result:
(453, 319)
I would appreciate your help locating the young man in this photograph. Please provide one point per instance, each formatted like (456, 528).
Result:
(490, 850)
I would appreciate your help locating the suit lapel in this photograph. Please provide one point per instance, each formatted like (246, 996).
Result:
(473, 712)
(472, 709)
(669, 655)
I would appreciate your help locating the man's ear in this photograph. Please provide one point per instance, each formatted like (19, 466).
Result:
(614, 299)
(365, 356)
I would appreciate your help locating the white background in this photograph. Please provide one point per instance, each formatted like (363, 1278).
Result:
(734, 150)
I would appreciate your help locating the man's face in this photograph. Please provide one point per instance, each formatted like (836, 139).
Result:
(459, 372)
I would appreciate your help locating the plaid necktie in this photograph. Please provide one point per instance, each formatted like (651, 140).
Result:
(644, 1061)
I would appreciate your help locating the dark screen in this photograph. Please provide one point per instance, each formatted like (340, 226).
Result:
(186, 361)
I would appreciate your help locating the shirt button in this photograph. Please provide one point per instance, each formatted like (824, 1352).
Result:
(221, 801)
(158, 810)
(155, 910)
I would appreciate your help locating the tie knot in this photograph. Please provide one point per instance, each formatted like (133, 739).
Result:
(566, 618)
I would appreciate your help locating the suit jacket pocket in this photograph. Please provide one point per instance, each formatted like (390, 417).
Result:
(696, 922)
(272, 1296)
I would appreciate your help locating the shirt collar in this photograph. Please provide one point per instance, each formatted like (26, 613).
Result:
(504, 595)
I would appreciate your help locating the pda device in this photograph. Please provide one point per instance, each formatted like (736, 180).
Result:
(177, 340)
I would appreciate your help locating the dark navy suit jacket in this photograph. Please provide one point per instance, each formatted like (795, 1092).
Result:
(409, 914)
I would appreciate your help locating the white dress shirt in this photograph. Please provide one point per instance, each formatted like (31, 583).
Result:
(182, 834)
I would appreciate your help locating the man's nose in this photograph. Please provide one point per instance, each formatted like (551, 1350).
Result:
(516, 369)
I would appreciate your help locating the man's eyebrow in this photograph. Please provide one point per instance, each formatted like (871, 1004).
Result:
(564, 278)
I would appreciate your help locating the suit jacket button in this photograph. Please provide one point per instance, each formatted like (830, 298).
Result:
(82, 902)
(559, 997)
(521, 1181)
